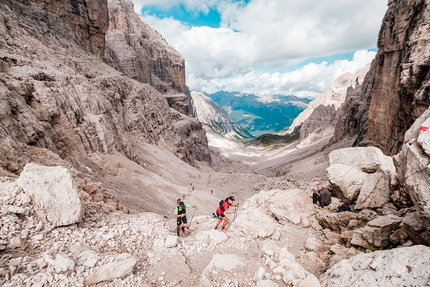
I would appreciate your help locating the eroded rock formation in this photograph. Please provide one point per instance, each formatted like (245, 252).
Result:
(140, 52)
(83, 21)
(58, 97)
(396, 91)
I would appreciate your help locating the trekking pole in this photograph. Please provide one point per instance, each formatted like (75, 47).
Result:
(192, 218)
(171, 209)
(235, 209)
(167, 215)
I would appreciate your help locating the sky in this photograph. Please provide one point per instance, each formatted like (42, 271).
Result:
(267, 47)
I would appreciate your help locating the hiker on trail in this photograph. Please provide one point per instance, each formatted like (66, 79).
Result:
(223, 208)
(181, 216)
(321, 197)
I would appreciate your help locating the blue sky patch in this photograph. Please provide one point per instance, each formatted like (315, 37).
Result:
(191, 18)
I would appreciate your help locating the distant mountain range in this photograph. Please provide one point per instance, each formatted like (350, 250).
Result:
(260, 115)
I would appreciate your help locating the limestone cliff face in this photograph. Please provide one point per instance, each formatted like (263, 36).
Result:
(60, 104)
(83, 21)
(140, 52)
(397, 89)
(353, 114)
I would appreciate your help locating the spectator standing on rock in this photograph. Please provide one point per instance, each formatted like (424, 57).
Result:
(321, 196)
(181, 216)
(223, 208)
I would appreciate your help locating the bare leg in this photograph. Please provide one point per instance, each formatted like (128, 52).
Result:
(218, 223)
(225, 223)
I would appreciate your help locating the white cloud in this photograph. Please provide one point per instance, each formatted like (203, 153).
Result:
(270, 36)
(307, 81)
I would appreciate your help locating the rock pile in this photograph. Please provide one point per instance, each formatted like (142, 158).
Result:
(275, 240)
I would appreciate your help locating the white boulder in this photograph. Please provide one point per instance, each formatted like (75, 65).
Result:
(395, 267)
(54, 193)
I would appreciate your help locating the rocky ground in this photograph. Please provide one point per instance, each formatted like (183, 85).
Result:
(40, 254)
(274, 239)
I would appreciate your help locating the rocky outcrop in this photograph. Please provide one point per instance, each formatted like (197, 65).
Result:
(382, 268)
(58, 97)
(140, 52)
(83, 21)
(397, 88)
(363, 176)
(353, 114)
(192, 143)
(413, 164)
(53, 192)
(320, 117)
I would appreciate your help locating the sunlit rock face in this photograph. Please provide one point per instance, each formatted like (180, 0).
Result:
(140, 52)
(57, 93)
(83, 21)
(396, 89)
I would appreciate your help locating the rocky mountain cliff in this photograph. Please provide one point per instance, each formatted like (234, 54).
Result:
(396, 91)
(140, 52)
(57, 96)
(319, 119)
(62, 105)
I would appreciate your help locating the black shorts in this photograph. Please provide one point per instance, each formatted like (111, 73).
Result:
(181, 220)
(220, 215)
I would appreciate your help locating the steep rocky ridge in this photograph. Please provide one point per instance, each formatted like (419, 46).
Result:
(61, 105)
(319, 119)
(82, 21)
(396, 92)
(140, 52)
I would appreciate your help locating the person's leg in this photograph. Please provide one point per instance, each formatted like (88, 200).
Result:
(225, 223)
(178, 225)
(220, 216)
(316, 198)
(184, 225)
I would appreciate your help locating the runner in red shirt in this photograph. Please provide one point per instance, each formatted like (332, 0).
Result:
(223, 208)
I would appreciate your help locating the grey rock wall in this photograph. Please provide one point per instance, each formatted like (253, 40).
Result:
(396, 91)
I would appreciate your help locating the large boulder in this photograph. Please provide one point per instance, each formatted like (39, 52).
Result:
(414, 163)
(260, 214)
(344, 220)
(378, 231)
(121, 267)
(362, 174)
(54, 194)
(395, 267)
(292, 205)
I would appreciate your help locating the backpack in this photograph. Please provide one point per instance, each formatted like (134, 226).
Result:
(344, 207)
(220, 204)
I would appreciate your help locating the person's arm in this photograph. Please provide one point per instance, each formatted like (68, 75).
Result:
(230, 212)
(195, 207)
(176, 213)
